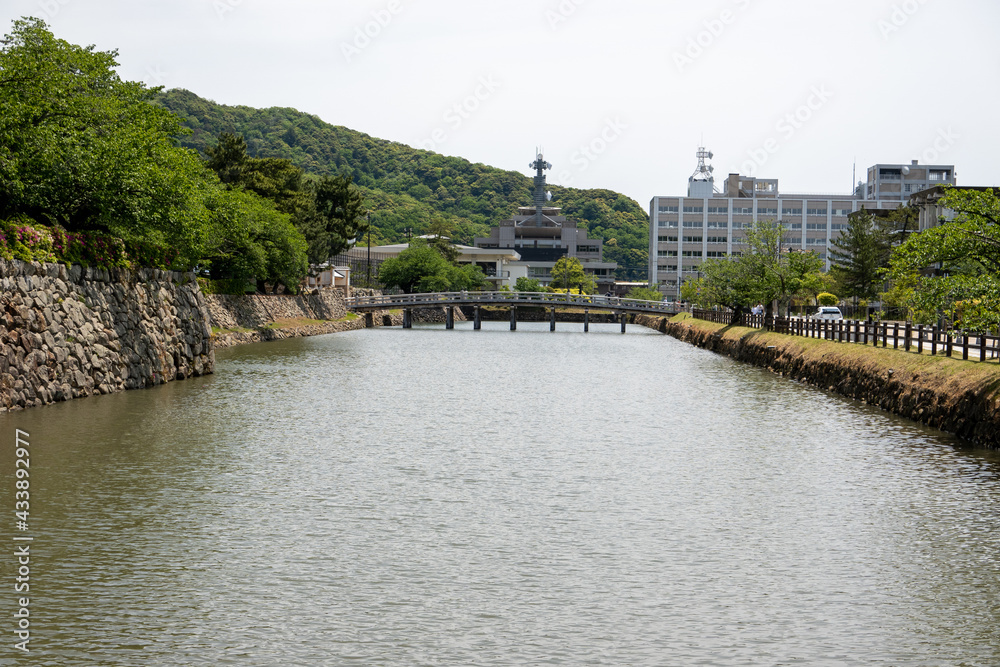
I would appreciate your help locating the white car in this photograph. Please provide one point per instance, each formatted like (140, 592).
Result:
(828, 313)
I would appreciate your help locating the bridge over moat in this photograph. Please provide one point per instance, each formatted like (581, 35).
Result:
(512, 300)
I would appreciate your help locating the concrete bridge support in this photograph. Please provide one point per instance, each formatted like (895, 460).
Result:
(552, 319)
(407, 318)
(624, 319)
(477, 323)
(449, 322)
(586, 320)
(513, 318)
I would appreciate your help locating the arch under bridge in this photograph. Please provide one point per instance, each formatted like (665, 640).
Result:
(549, 300)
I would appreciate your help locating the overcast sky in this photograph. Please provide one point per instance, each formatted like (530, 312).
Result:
(619, 94)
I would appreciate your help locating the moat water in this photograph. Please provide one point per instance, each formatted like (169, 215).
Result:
(432, 497)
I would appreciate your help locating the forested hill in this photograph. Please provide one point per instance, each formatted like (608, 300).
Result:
(411, 188)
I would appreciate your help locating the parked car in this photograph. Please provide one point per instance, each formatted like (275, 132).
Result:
(828, 313)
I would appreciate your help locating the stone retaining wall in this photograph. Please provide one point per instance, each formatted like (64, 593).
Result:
(257, 310)
(68, 332)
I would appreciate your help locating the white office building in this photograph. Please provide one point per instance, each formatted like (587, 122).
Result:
(710, 222)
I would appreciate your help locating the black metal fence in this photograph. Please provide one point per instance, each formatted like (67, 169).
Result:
(905, 335)
(363, 273)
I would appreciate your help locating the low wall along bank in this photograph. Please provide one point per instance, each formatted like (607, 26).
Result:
(68, 332)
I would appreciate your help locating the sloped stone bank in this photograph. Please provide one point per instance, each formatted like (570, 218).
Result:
(962, 398)
(69, 332)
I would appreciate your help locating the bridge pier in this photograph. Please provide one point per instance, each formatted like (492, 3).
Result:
(586, 320)
(624, 318)
(407, 319)
(449, 322)
(369, 320)
(552, 319)
(478, 321)
(513, 318)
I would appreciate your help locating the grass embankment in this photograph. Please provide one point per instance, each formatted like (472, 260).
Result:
(949, 374)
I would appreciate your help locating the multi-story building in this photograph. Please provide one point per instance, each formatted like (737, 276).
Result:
(541, 236)
(711, 223)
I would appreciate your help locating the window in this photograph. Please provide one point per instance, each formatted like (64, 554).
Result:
(890, 174)
(668, 239)
(690, 253)
(838, 226)
(791, 211)
(718, 209)
(692, 224)
(668, 267)
(668, 209)
(793, 225)
(939, 176)
(811, 241)
(767, 211)
(716, 253)
(844, 212)
(816, 211)
(588, 248)
(694, 209)
(669, 224)
(742, 211)
(816, 226)
(692, 239)
(666, 253)
(718, 225)
(718, 239)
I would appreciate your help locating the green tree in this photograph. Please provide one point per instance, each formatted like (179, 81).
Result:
(859, 254)
(954, 268)
(568, 274)
(645, 294)
(83, 149)
(422, 268)
(524, 284)
(340, 217)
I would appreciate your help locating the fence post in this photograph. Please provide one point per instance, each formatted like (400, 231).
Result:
(865, 325)
(948, 342)
(920, 339)
(895, 335)
(909, 334)
(965, 347)
(885, 334)
(982, 347)
(934, 340)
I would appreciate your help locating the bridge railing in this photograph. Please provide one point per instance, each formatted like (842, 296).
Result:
(552, 299)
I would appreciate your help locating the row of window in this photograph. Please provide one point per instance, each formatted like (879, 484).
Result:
(761, 212)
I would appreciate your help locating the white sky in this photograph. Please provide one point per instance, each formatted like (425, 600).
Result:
(888, 80)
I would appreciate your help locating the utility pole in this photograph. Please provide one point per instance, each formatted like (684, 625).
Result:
(369, 248)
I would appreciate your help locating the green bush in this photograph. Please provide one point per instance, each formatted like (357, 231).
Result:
(826, 299)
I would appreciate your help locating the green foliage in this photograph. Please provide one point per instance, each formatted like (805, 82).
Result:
(422, 268)
(82, 149)
(409, 188)
(523, 284)
(859, 254)
(89, 154)
(962, 258)
(644, 293)
(761, 274)
(568, 273)
(827, 299)
(31, 242)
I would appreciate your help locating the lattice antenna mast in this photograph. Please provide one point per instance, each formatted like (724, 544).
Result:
(704, 170)
(541, 196)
